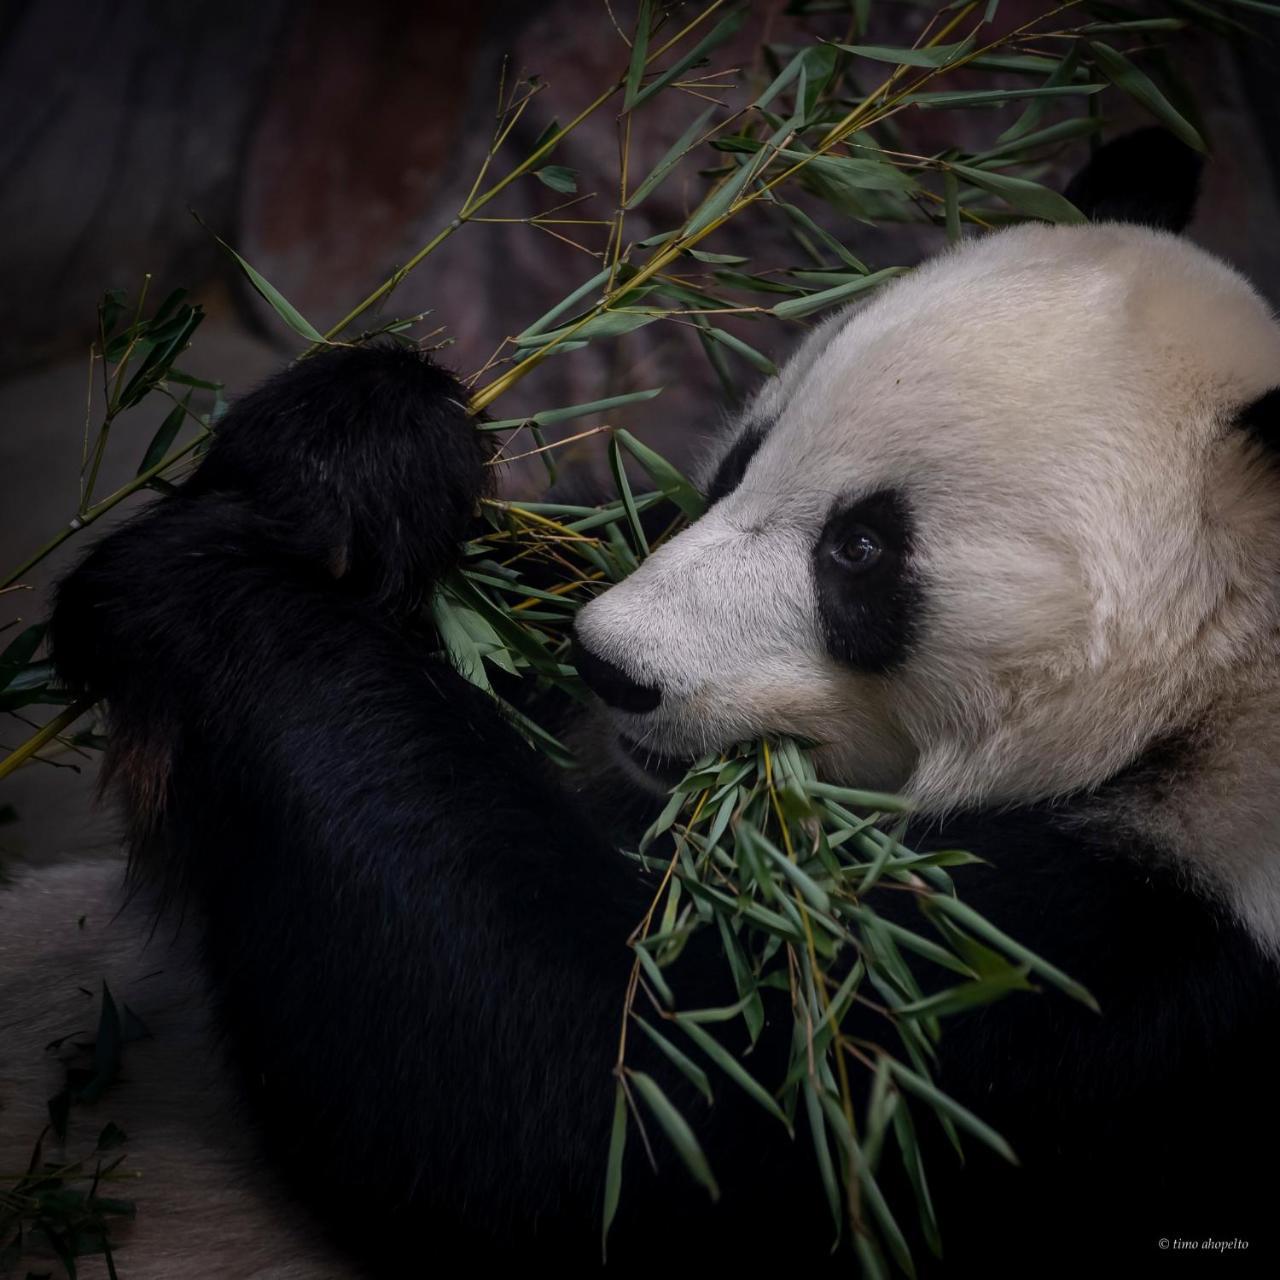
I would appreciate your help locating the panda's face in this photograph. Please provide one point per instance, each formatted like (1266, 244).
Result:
(986, 537)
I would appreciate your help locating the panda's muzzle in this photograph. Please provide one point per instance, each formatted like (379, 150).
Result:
(611, 684)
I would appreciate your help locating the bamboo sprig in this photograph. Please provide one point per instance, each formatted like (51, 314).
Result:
(474, 203)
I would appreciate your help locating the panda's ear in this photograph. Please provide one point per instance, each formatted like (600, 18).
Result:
(1261, 419)
(1148, 177)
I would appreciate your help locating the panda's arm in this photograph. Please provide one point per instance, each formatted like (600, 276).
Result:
(418, 945)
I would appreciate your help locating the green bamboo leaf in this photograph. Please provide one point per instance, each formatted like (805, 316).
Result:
(726, 27)
(558, 178)
(165, 435)
(20, 650)
(176, 375)
(718, 259)
(505, 626)
(814, 894)
(614, 512)
(719, 201)
(967, 996)
(613, 1165)
(938, 55)
(549, 417)
(654, 974)
(979, 924)
(624, 491)
(678, 150)
(1027, 197)
(681, 1060)
(821, 1149)
(1139, 24)
(928, 1091)
(1063, 73)
(461, 647)
(842, 175)
(277, 301)
(545, 136)
(905, 937)
(735, 344)
(944, 98)
(904, 1131)
(1142, 89)
(639, 54)
(880, 801)
(793, 308)
(565, 304)
(608, 324)
(732, 1068)
(803, 220)
(677, 1129)
(1063, 131)
(668, 478)
(883, 1215)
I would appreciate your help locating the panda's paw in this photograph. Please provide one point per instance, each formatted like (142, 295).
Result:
(367, 454)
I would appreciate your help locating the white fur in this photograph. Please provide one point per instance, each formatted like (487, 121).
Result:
(1099, 546)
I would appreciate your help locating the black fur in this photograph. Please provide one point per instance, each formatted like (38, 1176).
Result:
(418, 940)
(733, 466)
(1146, 177)
(1261, 419)
(870, 618)
(1147, 1121)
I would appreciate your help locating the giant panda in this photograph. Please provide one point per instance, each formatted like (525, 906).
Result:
(1005, 535)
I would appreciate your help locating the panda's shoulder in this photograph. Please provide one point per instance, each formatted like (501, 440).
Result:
(1111, 907)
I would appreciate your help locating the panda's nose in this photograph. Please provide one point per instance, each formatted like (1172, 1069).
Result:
(613, 686)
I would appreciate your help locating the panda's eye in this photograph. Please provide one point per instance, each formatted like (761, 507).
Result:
(869, 591)
(861, 550)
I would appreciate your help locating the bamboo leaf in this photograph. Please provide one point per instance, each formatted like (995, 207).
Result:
(1142, 89)
(549, 417)
(1022, 194)
(639, 54)
(558, 178)
(613, 1165)
(998, 97)
(979, 924)
(793, 308)
(732, 1068)
(619, 470)
(277, 301)
(165, 435)
(678, 150)
(726, 27)
(677, 1129)
(681, 1060)
(938, 55)
(948, 1106)
(667, 477)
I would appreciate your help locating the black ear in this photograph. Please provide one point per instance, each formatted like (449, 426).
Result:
(1148, 177)
(1261, 419)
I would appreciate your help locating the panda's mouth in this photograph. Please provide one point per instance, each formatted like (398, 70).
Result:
(657, 767)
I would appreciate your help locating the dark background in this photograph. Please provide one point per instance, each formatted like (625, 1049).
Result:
(327, 141)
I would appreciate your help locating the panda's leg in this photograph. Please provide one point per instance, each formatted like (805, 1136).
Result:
(419, 945)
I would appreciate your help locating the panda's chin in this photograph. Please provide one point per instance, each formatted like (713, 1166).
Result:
(652, 769)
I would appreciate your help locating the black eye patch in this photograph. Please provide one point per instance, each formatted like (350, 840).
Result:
(869, 597)
(733, 466)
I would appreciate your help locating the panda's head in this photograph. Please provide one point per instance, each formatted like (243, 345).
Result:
(990, 536)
